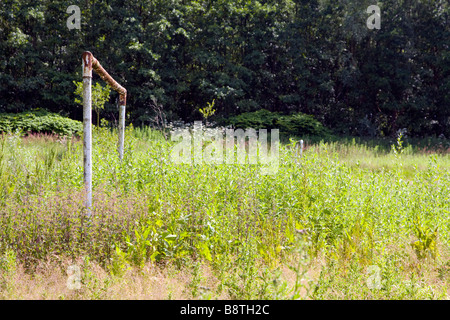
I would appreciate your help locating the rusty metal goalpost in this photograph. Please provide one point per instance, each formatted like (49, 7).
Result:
(89, 62)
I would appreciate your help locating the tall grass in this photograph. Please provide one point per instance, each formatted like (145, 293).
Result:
(329, 216)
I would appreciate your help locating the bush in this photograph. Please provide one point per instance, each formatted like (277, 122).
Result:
(297, 124)
(300, 124)
(261, 119)
(39, 121)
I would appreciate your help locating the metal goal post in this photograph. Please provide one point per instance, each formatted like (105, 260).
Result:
(89, 63)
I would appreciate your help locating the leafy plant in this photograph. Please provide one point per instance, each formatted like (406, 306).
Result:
(99, 95)
(208, 111)
(39, 121)
(8, 268)
(297, 124)
(300, 124)
(426, 240)
(398, 149)
(261, 119)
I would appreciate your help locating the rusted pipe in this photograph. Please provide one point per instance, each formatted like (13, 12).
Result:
(89, 63)
(122, 97)
(110, 81)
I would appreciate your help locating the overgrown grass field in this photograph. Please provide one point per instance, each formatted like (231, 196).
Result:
(342, 221)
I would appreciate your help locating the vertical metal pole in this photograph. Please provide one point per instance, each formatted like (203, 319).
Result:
(121, 129)
(122, 100)
(301, 148)
(87, 128)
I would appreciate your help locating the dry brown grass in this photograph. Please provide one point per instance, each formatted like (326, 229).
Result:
(48, 281)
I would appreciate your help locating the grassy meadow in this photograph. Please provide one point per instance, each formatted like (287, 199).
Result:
(343, 221)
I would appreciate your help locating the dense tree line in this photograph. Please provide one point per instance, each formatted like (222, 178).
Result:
(316, 57)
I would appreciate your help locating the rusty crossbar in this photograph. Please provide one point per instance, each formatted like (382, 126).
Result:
(89, 63)
(93, 63)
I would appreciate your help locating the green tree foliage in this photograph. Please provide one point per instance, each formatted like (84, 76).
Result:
(315, 57)
(99, 96)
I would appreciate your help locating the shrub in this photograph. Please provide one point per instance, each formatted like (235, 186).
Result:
(261, 119)
(39, 121)
(297, 124)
